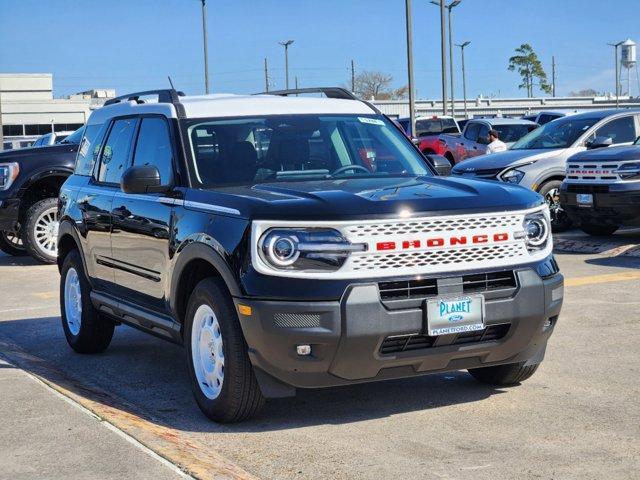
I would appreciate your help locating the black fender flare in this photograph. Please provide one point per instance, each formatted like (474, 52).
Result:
(44, 173)
(202, 251)
(67, 228)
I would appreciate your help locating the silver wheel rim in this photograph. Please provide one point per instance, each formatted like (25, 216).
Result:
(73, 301)
(207, 353)
(553, 200)
(46, 232)
(13, 238)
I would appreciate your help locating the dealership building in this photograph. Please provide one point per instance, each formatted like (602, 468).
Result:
(28, 108)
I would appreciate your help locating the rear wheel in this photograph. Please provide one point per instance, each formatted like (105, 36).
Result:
(598, 230)
(560, 221)
(40, 232)
(85, 329)
(223, 380)
(11, 242)
(504, 375)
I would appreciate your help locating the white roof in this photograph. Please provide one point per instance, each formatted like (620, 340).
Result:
(226, 105)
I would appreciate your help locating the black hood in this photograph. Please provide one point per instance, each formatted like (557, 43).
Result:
(609, 154)
(372, 197)
(26, 154)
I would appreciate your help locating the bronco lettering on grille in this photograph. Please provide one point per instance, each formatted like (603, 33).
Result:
(438, 242)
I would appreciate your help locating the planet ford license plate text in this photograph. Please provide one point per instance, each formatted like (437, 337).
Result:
(455, 315)
(584, 199)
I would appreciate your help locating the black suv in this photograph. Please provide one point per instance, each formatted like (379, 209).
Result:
(30, 180)
(293, 242)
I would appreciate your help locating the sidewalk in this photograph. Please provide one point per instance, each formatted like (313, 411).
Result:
(42, 435)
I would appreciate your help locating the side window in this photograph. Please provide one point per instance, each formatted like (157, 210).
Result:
(154, 147)
(483, 133)
(620, 130)
(115, 154)
(89, 149)
(471, 132)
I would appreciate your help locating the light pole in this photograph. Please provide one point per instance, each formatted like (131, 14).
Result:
(286, 60)
(464, 78)
(443, 55)
(615, 47)
(204, 40)
(412, 100)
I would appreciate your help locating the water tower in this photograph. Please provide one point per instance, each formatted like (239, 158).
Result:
(628, 60)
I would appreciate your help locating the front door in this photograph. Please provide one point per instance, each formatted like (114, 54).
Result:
(142, 222)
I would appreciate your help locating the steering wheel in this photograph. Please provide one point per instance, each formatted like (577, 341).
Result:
(346, 168)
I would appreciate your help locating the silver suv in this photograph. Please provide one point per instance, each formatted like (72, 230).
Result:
(538, 160)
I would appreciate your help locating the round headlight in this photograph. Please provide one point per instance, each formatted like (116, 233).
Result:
(280, 250)
(536, 230)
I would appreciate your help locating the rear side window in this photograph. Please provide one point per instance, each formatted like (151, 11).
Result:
(620, 130)
(115, 154)
(471, 133)
(154, 147)
(89, 149)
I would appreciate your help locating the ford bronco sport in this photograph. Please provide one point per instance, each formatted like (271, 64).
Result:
(295, 242)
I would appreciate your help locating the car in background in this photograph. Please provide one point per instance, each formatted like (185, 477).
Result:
(546, 116)
(601, 191)
(475, 137)
(30, 180)
(49, 139)
(538, 160)
(429, 126)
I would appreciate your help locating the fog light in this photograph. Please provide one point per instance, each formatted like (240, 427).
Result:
(303, 350)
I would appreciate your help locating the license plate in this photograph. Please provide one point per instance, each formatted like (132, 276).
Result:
(584, 199)
(455, 315)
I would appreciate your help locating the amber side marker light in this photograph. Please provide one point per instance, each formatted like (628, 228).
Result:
(244, 310)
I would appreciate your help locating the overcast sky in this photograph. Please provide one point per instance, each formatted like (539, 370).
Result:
(134, 44)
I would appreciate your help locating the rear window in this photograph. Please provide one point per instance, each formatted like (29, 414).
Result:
(436, 126)
(513, 133)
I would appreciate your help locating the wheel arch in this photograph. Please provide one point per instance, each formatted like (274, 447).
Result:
(44, 184)
(549, 178)
(196, 262)
(67, 241)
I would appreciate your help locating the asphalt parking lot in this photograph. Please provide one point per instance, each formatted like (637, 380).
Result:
(578, 417)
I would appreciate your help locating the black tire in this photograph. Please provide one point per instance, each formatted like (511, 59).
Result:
(239, 397)
(598, 230)
(504, 375)
(560, 221)
(30, 236)
(449, 157)
(95, 332)
(11, 243)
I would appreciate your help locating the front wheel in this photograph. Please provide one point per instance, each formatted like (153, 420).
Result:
(40, 232)
(504, 375)
(560, 221)
(11, 242)
(222, 376)
(598, 230)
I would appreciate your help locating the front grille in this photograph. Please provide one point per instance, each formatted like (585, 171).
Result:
(587, 188)
(472, 257)
(405, 343)
(488, 173)
(474, 283)
(597, 171)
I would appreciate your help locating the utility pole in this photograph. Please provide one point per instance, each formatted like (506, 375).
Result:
(1, 127)
(443, 56)
(615, 47)
(286, 61)
(412, 104)
(450, 7)
(204, 39)
(464, 78)
(266, 75)
(353, 76)
(553, 76)
(296, 81)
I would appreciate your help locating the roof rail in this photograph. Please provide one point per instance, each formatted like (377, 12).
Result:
(330, 92)
(164, 96)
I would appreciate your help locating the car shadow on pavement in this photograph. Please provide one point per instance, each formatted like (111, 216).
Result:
(147, 377)
(23, 261)
(622, 261)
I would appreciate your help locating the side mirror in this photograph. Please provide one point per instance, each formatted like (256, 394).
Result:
(598, 142)
(441, 164)
(142, 179)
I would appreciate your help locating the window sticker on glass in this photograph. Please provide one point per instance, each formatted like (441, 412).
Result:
(371, 121)
(84, 148)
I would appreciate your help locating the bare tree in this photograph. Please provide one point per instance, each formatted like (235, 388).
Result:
(377, 85)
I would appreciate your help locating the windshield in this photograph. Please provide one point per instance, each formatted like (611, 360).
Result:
(276, 148)
(561, 133)
(75, 137)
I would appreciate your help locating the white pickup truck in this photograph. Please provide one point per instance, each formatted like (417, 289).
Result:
(474, 139)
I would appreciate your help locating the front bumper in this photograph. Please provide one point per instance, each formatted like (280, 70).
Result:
(346, 336)
(612, 204)
(9, 210)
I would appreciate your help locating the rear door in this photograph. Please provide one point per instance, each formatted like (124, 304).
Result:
(142, 222)
(94, 201)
